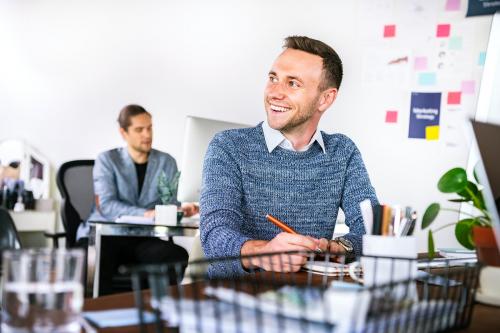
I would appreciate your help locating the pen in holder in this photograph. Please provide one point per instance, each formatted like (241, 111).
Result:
(388, 220)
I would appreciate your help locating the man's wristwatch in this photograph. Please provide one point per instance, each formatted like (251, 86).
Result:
(345, 243)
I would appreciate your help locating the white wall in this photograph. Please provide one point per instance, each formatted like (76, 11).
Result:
(67, 67)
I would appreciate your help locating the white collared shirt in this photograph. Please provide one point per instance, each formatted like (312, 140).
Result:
(275, 138)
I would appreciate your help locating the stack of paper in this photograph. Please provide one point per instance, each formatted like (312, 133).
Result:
(135, 219)
(455, 253)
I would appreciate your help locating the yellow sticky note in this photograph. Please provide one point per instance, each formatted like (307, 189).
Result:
(432, 132)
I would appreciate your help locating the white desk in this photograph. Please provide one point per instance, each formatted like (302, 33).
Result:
(30, 221)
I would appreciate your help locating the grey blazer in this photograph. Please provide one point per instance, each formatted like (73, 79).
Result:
(116, 185)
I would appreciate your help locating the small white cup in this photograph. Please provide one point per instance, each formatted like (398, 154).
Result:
(166, 214)
(488, 281)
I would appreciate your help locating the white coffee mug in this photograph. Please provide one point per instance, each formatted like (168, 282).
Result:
(166, 214)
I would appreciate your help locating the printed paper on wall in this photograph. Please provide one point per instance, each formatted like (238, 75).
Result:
(425, 109)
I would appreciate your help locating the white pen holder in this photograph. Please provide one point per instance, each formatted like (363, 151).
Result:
(400, 264)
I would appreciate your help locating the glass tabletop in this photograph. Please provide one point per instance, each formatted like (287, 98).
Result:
(189, 224)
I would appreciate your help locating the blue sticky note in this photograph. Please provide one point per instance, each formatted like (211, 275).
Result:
(482, 58)
(427, 79)
(455, 43)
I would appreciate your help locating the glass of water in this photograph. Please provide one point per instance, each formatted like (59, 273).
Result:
(42, 290)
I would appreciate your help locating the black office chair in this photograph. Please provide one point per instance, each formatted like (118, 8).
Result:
(74, 181)
(9, 238)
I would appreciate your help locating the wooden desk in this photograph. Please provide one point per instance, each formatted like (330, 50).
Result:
(484, 318)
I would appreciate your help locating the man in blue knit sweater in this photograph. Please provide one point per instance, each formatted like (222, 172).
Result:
(287, 168)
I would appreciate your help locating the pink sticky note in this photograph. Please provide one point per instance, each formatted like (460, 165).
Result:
(389, 30)
(391, 117)
(452, 5)
(443, 30)
(454, 97)
(468, 87)
(420, 63)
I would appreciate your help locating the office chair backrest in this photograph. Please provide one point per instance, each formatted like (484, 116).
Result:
(74, 181)
(9, 238)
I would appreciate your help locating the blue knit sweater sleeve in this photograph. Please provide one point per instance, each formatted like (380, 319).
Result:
(357, 187)
(220, 205)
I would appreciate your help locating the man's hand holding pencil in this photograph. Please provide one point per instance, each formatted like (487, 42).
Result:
(283, 242)
(289, 240)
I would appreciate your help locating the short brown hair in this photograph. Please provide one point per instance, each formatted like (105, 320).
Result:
(332, 65)
(128, 112)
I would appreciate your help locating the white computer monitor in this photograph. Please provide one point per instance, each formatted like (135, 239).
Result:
(197, 135)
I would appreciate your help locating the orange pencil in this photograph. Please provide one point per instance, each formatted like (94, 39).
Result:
(283, 226)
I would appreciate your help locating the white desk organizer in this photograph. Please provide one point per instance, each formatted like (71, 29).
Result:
(378, 271)
(387, 260)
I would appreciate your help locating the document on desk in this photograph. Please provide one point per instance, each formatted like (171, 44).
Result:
(445, 262)
(135, 219)
(328, 268)
(457, 253)
(117, 317)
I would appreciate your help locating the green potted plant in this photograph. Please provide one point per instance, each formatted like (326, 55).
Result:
(472, 232)
(166, 188)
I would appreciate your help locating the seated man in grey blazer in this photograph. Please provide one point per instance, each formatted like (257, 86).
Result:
(125, 183)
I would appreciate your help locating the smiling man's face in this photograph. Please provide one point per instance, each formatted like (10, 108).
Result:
(292, 93)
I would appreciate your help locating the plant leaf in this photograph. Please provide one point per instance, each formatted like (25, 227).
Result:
(472, 193)
(469, 192)
(431, 251)
(430, 214)
(453, 181)
(479, 203)
(474, 173)
(458, 200)
(463, 233)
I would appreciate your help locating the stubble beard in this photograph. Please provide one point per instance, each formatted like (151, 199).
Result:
(142, 150)
(299, 119)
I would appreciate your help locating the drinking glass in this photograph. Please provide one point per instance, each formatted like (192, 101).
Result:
(42, 290)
